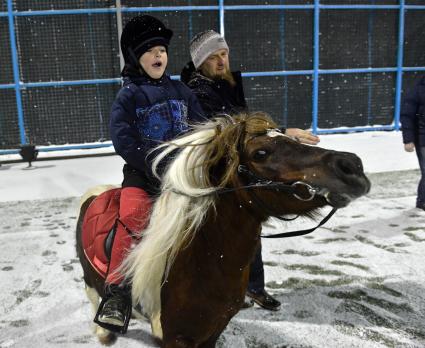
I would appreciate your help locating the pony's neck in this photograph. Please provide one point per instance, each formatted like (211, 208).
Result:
(232, 233)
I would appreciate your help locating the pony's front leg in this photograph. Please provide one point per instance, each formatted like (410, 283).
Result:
(104, 336)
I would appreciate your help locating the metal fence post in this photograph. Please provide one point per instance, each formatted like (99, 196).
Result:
(119, 31)
(399, 81)
(370, 33)
(221, 16)
(283, 65)
(16, 76)
(316, 57)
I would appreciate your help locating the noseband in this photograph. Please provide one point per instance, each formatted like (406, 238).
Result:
(255, 182)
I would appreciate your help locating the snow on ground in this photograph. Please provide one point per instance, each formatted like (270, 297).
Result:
(356, 282)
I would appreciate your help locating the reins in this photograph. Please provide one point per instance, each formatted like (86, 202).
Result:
(301, 232)
(256, 182)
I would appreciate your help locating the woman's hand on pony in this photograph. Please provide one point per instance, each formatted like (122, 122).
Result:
(302, 136)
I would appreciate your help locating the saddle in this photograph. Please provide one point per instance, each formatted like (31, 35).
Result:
(99, 227)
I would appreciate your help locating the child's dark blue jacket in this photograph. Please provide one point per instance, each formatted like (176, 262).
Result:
(145, 113)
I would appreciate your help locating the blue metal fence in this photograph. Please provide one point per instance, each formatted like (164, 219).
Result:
(222, 9)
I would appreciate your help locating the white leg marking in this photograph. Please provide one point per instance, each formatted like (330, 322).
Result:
(94, 298)
(156, 325)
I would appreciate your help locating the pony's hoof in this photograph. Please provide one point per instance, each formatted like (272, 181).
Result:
(105, 337)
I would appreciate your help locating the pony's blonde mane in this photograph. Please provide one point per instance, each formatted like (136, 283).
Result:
(186, 197)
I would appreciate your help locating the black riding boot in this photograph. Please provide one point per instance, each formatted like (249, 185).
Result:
(264, 299)
(115, 309)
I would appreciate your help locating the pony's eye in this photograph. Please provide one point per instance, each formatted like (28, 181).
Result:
(260, 155)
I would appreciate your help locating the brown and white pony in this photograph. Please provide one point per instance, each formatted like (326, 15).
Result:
(190, 271)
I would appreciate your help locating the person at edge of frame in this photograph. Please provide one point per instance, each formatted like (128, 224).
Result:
(412, 118)
(220, 91)
(150, 108)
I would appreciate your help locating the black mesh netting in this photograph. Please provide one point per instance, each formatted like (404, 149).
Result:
(79, 113)
(414, 34)
(272, 40)
(39, 5)
(269, 2)
(158, 3)
(410, 79)
(358, 39)
(360, 2)
(6, 71)
(9, 131)
(286, 98)
(67, 47)
(74, 47)
(350, 100)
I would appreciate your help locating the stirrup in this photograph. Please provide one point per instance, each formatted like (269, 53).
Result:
(112, 327)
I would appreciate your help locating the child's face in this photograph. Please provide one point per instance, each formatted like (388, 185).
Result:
(154, 61)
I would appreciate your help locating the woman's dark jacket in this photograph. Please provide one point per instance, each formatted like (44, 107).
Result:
(145, 113)
(412, 114)
(215, 96)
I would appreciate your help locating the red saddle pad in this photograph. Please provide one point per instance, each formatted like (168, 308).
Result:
(98, 221)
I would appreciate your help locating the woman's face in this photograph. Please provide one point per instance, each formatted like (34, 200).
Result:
(154, 61)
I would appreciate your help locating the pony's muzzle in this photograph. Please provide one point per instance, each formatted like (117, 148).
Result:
(349, 169)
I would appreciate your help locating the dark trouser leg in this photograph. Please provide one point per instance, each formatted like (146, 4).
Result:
(420, 201)
(256, 289)
(256, 272)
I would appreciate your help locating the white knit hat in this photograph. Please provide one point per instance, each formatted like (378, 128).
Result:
(204, 44)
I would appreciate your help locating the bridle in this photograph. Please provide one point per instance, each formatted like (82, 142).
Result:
(253, 181)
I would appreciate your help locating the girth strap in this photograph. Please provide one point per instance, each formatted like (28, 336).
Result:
(109, 240)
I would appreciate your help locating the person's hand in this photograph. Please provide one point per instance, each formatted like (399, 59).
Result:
(409, 147)
(303, 136)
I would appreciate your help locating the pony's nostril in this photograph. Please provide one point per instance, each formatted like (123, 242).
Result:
(346, 167)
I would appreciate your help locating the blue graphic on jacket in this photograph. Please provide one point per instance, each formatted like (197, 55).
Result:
(162, 121)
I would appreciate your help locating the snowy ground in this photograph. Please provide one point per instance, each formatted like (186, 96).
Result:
(357, 282)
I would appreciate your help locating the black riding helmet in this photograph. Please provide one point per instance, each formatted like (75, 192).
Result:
(140, 34)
